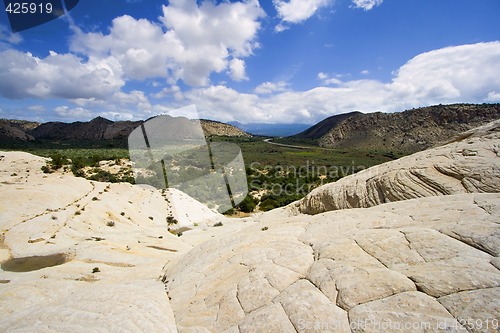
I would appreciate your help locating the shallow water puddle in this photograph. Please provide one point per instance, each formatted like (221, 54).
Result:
(28, 264)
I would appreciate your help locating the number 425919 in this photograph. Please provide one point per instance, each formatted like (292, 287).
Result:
(28, 8)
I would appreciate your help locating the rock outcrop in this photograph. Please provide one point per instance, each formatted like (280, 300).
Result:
(471, 163)
(15, 130)
(217, 128)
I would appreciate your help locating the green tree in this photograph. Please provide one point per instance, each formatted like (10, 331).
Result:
(247, 205)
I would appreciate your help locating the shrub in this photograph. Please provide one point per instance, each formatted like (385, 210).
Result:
(247, 205)
(58, 160)
(46, 169)
(268, 204)
(171, 220)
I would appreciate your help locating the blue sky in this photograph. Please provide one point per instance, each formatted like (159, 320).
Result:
(278, 61)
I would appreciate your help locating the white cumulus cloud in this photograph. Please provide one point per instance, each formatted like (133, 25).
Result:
(65, 111)
(327, 80)
(271, 87)
(296, 11)
(66, 76)
(191, 43)
(366, 4)
(452, 74)
(188, 43)
(458, 74)
(237, 70)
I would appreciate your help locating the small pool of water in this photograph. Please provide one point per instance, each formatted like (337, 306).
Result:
(28, 264)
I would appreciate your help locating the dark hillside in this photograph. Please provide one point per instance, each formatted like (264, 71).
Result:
(408, 131)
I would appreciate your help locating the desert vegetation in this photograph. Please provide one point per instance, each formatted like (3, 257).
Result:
(276, 175)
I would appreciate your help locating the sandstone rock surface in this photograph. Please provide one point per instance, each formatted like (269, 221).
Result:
(112, 240)
(469, 164)
(426, 262)
(359, 270)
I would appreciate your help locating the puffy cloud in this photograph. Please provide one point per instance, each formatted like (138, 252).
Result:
(135, 99)
(210, 34)
(65, 111)
(322, 76)
(452, 74)
(280, 27)
(366, 4)
(188, 43)
(139, 47)
(224, 103)
(192, 42)
(327, 80)
(466, 73)
(66, 76)
(296, 11)
(284, 107)
(173, 90)
(271, 87)
(493, 96)
(135, 102)
(231, 25)
(237, 70)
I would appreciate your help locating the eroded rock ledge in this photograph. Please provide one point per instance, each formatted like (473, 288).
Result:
(469, 164)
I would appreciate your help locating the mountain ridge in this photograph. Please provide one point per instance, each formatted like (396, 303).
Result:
(98, 128)
(409, 131)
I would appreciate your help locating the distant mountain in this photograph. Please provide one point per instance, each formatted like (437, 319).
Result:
(97, 129)
(408, 131)
(265, 129)
(323, 127)
(15, 130)
(211, 127)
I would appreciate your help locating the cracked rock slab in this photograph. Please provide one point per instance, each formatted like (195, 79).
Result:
(356, 280)
(478, 310)
(271, 318)
(308, 308)
(387, 264)
(405, 312)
